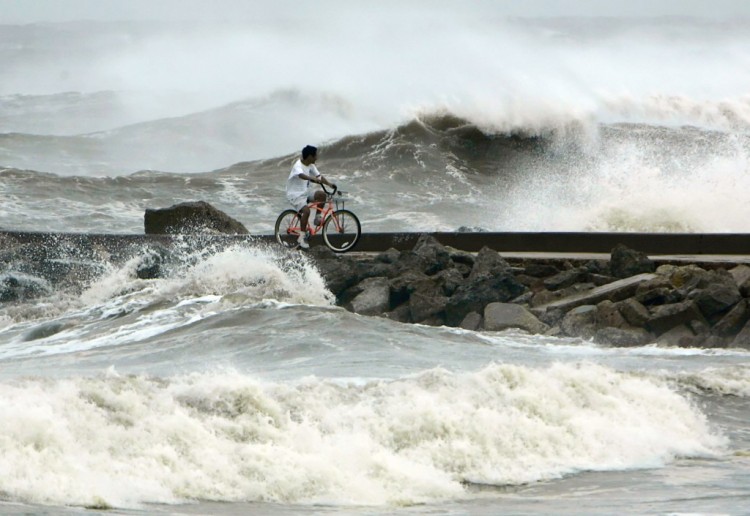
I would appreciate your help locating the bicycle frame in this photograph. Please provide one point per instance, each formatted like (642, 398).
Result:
(314, 229)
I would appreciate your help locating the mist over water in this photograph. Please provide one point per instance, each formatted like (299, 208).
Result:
(503, 75)
(109, 99)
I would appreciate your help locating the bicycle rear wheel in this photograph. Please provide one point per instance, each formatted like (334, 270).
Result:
(287, 228)
(341, 231)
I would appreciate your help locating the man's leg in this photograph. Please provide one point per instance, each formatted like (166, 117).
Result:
(304, 217)
(300, 204)
(320, 199)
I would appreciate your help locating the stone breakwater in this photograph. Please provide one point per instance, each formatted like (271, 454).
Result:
(626, 300)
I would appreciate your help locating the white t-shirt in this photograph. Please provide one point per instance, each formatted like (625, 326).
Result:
(295, 186)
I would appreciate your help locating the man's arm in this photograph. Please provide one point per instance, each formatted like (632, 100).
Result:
(321, 180)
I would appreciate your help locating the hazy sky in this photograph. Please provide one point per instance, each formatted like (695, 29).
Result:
(30, 11)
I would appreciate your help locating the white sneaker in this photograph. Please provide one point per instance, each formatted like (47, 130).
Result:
(302, 242)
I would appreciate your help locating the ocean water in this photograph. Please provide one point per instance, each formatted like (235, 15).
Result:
(234, 384)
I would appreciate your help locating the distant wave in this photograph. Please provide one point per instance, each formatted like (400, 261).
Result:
(454, 172)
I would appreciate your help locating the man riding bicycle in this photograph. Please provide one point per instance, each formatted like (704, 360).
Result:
(303, 172)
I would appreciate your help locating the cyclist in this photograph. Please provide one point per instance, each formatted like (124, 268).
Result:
(303, 172)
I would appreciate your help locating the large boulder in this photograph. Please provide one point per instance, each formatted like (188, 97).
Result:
(191, 217)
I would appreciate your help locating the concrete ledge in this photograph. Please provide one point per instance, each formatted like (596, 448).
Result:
(568, 242)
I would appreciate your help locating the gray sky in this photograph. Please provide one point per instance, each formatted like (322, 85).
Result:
(31, 11)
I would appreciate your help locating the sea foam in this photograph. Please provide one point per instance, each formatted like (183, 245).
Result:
(126, 440)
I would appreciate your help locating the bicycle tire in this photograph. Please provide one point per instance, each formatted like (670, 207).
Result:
(287, 229)
(341, 231)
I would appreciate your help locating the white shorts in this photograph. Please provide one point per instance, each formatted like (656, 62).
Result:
(301, 201)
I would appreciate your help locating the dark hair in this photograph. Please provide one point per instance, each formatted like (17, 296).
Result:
(309, 150)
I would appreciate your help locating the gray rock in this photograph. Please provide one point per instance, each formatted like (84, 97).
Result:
(745, 288)
(458, 256)
(409, 261)
(740, 273)
(435, 254)
(691, 277)
(699, 328)
(679, 336)
(566, 278)
(622, 337)
(540, 270)
(600, 279)
(717, 298)
(374, 298)
(626, 262)
(545, 297)
(634, 312)
(616, 291)
(733, 321)
(190, 217)
(658, 296)
(488, 263)
(551, 317)
(339, 274)
(742, 339)
(400, 314)
(389, 256)
(473, 321)
(523, 299)
(580, 322)
(475, 295)
(664, 318)
(15, 286)
(448, 280)
(425, 306)
(410, 281)
(658, 282)
(501, 316)
(713, 341)
(608, 315)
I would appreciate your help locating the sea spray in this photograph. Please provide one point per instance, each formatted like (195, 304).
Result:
(118, 308)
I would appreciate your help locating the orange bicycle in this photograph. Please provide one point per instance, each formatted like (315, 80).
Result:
(340, 227)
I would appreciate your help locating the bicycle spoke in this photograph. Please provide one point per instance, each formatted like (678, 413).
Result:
(341, 231)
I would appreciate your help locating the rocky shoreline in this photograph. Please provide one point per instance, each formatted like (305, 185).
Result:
(626, 300)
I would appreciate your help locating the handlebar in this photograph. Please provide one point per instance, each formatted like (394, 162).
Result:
(335, 189)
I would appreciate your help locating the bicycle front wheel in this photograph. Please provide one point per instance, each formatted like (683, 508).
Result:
(341, 231)
(287, 228)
